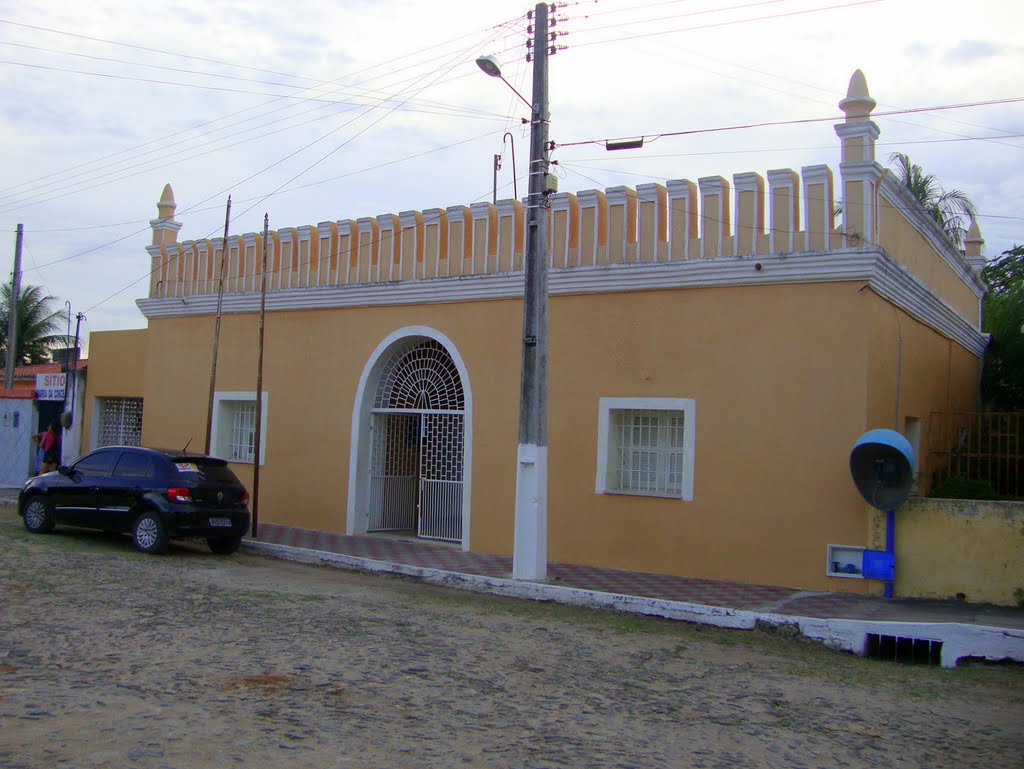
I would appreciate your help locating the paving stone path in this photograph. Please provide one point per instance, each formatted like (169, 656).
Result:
(185, 661)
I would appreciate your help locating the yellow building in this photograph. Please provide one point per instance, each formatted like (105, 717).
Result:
(715, 349)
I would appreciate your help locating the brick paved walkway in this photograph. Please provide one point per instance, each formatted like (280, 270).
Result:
(447, 557)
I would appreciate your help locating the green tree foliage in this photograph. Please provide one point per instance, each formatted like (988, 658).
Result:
(38, 324)
(952, 210)
(1002, 381)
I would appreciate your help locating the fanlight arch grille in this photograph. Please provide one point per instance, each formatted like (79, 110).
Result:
(420, 376)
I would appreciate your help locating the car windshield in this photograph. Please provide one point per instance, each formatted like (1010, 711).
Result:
(203, 469)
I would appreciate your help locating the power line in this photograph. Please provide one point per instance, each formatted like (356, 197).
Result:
(830, 91)
(41, 196)
(702, 12)
(454, 62)
(769, 17)
(261, 196)
(765, 150)
(321, 89)
(276, 98)
(655, 136)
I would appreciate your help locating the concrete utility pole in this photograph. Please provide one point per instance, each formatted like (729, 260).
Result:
(12, 313)
(529, 557)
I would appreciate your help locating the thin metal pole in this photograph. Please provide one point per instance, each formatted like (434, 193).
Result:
(259, 386)
(497, 165)
(529, 559)
(512, 141)
(12, 313)
(890, 544)
(216, 329)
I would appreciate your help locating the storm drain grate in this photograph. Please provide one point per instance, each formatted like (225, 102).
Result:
(911, 651)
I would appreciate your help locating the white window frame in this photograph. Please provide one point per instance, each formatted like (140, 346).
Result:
(606, 469)
(220, 432)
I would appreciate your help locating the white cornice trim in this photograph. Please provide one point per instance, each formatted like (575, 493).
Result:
(907, 205)
(817, 174)
(748, 181)
(650, 192)
(860, 128)
(507, 207)
(869, 264)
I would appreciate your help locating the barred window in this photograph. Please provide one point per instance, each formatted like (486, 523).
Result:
(120, 422)
(645, 446)
(234, 427)
(242, 447)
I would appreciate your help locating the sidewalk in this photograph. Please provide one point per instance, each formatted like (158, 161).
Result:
(840, 620)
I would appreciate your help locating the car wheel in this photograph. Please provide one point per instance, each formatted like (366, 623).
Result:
(148, 534)
(38, 515)
(223, 545)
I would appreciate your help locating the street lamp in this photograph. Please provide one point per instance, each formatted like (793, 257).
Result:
(492, 67)
(529, 551)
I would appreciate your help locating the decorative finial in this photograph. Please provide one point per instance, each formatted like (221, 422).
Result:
(858, 102)
(972, 245)
(165, 208)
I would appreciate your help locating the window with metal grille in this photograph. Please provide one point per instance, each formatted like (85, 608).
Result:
(645, 446)
(234, 427)
(120, 422)
(242, 446)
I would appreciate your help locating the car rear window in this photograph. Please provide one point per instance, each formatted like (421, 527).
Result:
(204, 470)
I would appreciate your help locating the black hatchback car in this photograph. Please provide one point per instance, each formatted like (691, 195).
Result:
(154, 494)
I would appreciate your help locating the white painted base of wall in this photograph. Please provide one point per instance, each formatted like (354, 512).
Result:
(959, 640)
(530, 546)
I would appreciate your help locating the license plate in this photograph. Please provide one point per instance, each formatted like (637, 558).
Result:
(225, 522)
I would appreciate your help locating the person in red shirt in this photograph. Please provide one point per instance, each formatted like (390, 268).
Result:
(50, 444)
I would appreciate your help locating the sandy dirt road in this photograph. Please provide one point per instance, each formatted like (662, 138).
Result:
(113, 659)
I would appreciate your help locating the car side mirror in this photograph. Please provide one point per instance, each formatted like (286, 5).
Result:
(64, 470)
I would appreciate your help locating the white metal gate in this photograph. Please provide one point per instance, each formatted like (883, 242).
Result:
(417, 444)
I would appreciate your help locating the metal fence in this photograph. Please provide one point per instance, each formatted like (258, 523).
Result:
(980, 447)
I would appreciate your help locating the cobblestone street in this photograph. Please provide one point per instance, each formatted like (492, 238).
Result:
(109, 658)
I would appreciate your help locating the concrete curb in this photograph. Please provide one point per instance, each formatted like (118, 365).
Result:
(959, 640)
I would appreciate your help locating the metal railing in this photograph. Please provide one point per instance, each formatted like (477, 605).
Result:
(979, 447)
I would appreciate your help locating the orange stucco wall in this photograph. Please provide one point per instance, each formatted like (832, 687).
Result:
(930, 373)
(776, 413)
(117, 368)
(909, 248)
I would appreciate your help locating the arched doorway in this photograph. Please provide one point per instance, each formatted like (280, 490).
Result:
(410, 432)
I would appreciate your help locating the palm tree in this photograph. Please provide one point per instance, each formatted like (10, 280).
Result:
(949, 208)
(38, 324)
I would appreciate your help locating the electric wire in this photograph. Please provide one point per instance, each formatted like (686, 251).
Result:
(454, 62)
(729, 23)
(653, 136)
(42, 196)
(276, 98)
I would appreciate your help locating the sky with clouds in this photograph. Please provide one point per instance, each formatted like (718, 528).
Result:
(312, 111)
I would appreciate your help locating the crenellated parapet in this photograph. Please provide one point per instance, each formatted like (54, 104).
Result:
(676, 221)
(716, 218)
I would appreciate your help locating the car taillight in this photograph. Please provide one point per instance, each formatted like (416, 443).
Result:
(244, 499)
(179, 495)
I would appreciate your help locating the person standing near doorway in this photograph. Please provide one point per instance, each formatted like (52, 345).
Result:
(50, 444)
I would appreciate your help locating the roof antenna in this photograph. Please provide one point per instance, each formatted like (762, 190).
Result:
(185, 450)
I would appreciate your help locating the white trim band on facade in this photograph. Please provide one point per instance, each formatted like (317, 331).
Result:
(870, 264)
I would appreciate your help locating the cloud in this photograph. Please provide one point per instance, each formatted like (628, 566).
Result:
(970, 51)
